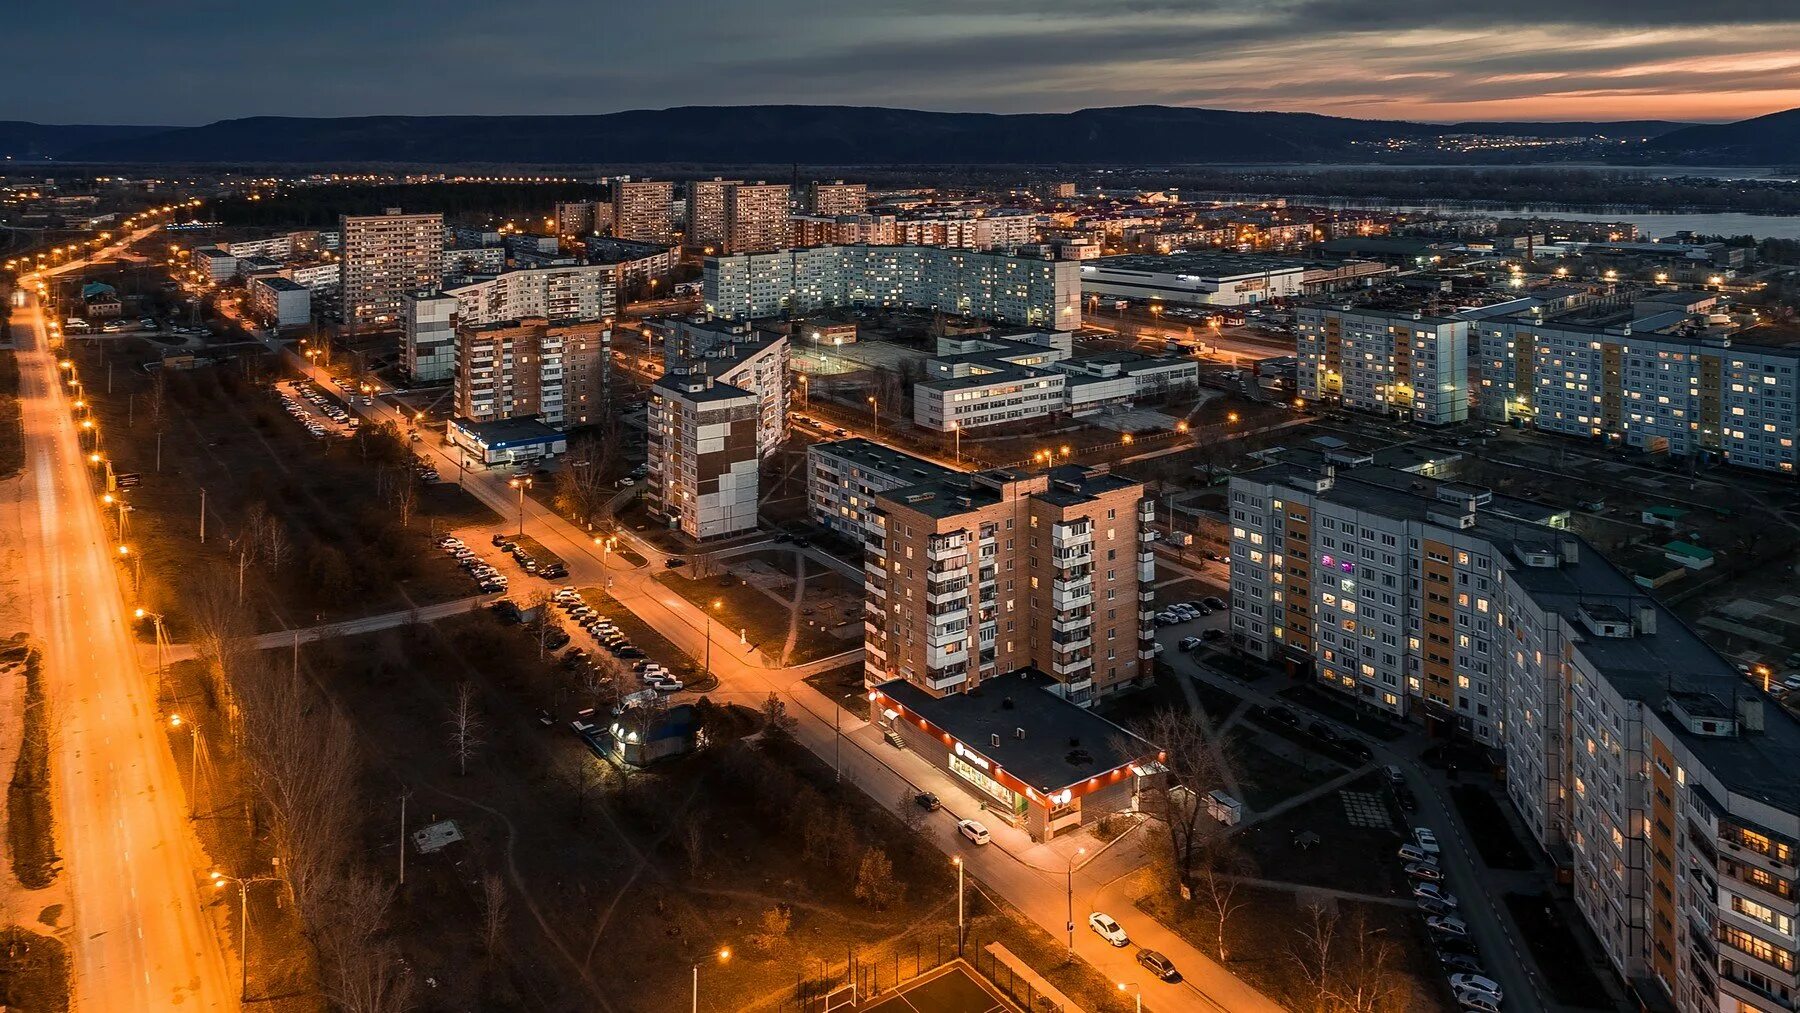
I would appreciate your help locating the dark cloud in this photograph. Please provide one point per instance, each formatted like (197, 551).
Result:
(209, 59)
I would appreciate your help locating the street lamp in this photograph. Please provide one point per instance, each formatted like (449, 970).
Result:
(1070, 882)
(723, 955)
(219, 879)
(1231, 417)
(960, 930)
(956, 430)
(193, 754)
(875, 410)
(521, 484)
(1134, 987)
(606, 546)
(716, 605)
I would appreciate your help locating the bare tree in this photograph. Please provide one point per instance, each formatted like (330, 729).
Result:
(219, 628)
(406, 499)
(692, 839)
(1194, 767)
(493, 912)
(1310, 951)
(1367, 977)
(583, 778)
(365, 973)
(465, 728)
(1221, 869)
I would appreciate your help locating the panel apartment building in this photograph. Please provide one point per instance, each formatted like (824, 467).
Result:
(571, 293)
(1665, 786)
(385, 257)
(843, 478)
(1400, 364)
(642, 210)
(837, 198)
(974, 576)
(756, 217)
(706, 213)
(553, 371)
(1634, 382)
(1029, 291)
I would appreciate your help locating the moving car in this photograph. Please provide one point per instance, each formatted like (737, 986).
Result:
(975, 832)
(1107, 929)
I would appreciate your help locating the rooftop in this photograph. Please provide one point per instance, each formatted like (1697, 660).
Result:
(1198, 265)
(886, 460)
(1063, 744)
(506, 432)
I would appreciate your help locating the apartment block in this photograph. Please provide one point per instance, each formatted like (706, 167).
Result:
(428, 336)
(837, 198)
(735, 353)
(643, 210)
(971, 577)
(844, 477)
(841, 230)
(1402, 364)
(1018, 290)
(1664, 786)
(706, 213)
(385, 257)
(756, 217)
(1657, 383)
(280, 302)
(703, 453)
(577, 218)
(1002, 231)
(554, 372)
(564, 292)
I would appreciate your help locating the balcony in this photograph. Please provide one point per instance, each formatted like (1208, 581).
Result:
(1073, 667)
(940, 551)
(1068, 624)
(1081, 643)
(945, 679)
(1082, 555)
(1072, 536)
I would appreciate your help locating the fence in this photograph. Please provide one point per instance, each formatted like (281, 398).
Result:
(820, 986)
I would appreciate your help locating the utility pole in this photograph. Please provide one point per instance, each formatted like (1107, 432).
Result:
(202, 514)
(403, 797)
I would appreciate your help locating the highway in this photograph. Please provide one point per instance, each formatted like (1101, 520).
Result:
(140, 938)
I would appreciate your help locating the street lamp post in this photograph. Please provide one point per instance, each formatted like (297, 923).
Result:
(1134, 987)
(521, 484)
(724, 954)
(875, 410)
(961, 932)
(956, 430)
(606, 546)
(219, 879)
(1070, 884)
(716, 605)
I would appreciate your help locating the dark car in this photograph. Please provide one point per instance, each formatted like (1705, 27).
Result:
(507, 611)
(1158, 965)
(1459, 962)
(1285, 716)
(1360, 750)
(1322, 731)
(1214, 600)
(499, 539)
(673, 561)
(1211, 635)
(555, 639)
(927, 801)
(1408, 801)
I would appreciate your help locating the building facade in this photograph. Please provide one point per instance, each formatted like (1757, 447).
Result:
(1664, 786)
(384, 258)
(844, 477)
(1395, 363)
(703, 454)
(1210, 279)
(566, 292)
(756, 217)
(706, 213)
(995, 286)
(642, 210)
(837, 198)
(428, 336)
(554, 372)
(975, 576)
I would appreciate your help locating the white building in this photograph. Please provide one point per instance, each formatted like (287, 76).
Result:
(569, 292)
(996, 286)
(385, 257)
(218, 265)
(1215, 279)
(279, 302)
(428, 336)
(844, 477)
(1395, 363)
(703, 454)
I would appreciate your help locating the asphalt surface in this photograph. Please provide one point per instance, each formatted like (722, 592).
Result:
(140, 937)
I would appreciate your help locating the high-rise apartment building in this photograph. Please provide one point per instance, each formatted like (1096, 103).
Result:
(575, 219)
(564, 292)
(1397, 363)
(843, 478)
(385, 257)
(756, 217)
(837, 198)
(643, 210)
(428, 336)
(703, 460)
(555, 372)
(1664, 786)
(1018, 290)
(706, 213)
(974, 576)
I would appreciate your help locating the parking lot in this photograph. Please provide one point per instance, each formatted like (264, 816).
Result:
(319, 413)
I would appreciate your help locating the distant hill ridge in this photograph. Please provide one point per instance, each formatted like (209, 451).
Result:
(846, 135)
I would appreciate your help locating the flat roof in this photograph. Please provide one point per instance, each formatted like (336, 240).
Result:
(507, 432)
(1200, 265)
(884, 459)
(1063, 745)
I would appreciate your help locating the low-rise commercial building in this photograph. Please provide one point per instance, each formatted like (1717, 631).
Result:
(503, 442)
(1032, 758)
(1211, 279)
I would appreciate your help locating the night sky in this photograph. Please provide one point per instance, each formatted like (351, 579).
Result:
(189, 62)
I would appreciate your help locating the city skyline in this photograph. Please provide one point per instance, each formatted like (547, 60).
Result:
(1529, 60)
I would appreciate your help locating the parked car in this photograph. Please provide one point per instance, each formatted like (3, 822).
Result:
(1478, 983)
(1434, 891)
(1426, 871)
(1107, 929)
(1426, 840)
(1433, 907)
(1159, 965)
(927, 801)
(1217, 603)
(1285, 716)
(1447, 925)
(1410, 852)
(1189, 643)
(1459, 961)
(1476, 1002)
(975, 832)
(1323, 731)
(1211, 635)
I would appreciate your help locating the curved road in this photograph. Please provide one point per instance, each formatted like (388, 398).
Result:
(140, 938)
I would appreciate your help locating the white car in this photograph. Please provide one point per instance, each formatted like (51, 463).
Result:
(1433, 891)
(1447, 925)
(1477, 983)
(1475, 1001)
(1107, 929)
(975, 832)
(1426, 840)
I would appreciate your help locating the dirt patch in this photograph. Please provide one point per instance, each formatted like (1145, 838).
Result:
(30, 821)
(34, 972)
